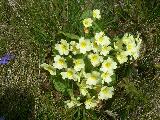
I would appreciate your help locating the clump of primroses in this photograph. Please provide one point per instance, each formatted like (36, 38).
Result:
(104, 56)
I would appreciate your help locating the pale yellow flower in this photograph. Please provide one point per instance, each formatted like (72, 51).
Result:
(95, 47)
(87, 22)
(122, 57)
(93, 78)
(99, 35)
(106, 40)
(106, 93)
(59, 62)
(79, 64)
(108, 65)
(70, 74)
(74, 48)
(138, 41)
(128, 38)
(131, 48)
(70, 103)
(135, 54)
(49, 68)
(62, 48)
(132, 45)
(106, 77)
(95, 59)
(105, 50)
(100, 39)
(90, 103)
(84, 45)
(83, 88)
(96, 14)
(118, 45)
(73, 102)
(83, 91)
(77, 76)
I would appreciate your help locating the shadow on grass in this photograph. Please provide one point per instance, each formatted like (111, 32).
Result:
(17, 104)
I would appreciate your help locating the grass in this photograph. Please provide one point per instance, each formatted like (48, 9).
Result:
(29, 29)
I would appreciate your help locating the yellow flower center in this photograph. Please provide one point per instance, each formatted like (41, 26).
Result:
(105, 75)
(94, 58)
(69, 73)
(104, 48)
(89, 101)
(75, 48)
(105, 91)
(64, 47)
(120, 56)
(77, 62)
(61, 61)
(93, 77)
(86, 22)
(94, 14)
(95, 45)
(100, 39)
(107, 65)
(83, 44)
(130, 47)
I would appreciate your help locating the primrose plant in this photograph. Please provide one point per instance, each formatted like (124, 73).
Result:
(89, 63)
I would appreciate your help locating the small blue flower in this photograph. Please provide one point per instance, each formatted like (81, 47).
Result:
(6, 58)
(2, 118)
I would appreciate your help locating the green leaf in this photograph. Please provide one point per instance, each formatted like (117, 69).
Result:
(113, 80)
(88, 65)
(86, 14)
(69, 35)
(131, 88)
(59, 86)
(96, 27)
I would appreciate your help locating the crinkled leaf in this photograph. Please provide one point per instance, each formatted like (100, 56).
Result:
(88, 65)
(96, 27)
(86, 14)
(130, 88)
(59, 86)
(113, 77)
